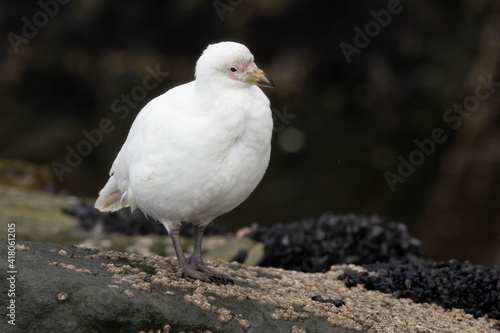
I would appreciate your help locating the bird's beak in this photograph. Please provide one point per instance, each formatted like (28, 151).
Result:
(259, 78)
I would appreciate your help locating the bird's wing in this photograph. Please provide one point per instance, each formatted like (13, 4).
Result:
(150, 132)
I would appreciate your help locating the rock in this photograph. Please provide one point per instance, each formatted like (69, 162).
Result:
(77, 289)
(38, 214)
(69, 289)
(244, 249)
(27, 175)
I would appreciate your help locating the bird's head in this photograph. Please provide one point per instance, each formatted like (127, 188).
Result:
(230, 63)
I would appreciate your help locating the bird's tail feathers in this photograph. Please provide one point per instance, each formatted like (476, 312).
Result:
(111, 198)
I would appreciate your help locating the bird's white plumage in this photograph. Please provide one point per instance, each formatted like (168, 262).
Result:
(198, 150)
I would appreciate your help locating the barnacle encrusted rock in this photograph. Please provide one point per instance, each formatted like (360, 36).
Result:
(115, 291)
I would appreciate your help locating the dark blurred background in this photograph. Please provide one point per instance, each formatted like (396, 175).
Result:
(342, 123)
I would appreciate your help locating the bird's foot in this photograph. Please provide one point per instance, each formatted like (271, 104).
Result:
(188, 271)
(201, 272)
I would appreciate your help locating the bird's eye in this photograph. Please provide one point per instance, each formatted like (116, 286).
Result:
(232, 69)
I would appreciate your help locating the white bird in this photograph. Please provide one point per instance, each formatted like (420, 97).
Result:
(197, 151)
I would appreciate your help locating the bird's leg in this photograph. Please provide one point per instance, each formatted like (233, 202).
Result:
(196, 262)
(195, 259)
(184, 268)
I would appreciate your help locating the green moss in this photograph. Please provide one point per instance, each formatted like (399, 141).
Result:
(37, 215)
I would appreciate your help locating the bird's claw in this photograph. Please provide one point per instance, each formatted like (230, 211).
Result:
(204, 274)
(220, 279)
